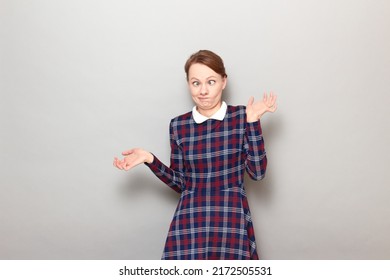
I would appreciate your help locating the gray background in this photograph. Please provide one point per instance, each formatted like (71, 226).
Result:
(83, 80)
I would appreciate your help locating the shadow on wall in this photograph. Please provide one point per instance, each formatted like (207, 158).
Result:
(263, 189)
(141, 184)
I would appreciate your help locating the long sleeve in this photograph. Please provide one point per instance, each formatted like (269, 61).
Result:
(256, 160)
(173, 176)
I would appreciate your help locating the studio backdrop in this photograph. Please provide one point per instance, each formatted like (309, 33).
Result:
(81, 81)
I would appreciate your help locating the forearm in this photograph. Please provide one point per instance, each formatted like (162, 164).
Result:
(256, 161)
(172, 178)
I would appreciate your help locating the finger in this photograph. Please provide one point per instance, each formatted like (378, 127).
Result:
(274, 102)
(128, 152)
(250, 101)
(115, 162)
(121, 164)
(268, 101)
(265, 97)
(274, 96)
(118, 164)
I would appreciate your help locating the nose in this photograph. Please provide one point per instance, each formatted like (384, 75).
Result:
(204, 90)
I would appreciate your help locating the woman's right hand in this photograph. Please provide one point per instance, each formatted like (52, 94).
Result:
(133, 158)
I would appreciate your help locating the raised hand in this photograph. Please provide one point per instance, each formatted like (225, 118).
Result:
(133, 158)
(254, 111)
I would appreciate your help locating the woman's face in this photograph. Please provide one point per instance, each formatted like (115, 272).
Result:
(206, 88)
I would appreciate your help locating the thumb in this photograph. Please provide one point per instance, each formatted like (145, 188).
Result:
(251, 100)
(128, 152)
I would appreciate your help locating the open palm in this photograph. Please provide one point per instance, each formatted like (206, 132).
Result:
(254, 110)
(133, 158)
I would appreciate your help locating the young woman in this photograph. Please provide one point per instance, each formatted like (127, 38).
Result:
(211, 148)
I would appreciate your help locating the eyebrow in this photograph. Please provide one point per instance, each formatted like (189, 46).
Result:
(194, 78)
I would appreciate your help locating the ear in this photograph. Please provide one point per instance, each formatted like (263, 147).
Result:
(224, 82)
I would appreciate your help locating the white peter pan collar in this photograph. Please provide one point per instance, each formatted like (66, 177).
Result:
(219, 115)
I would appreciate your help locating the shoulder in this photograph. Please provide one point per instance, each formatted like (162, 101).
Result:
(238, 111)
(184, 117)
(181, 120)
(236, 117)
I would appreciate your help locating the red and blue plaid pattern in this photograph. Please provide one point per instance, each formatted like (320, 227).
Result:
(208, 162)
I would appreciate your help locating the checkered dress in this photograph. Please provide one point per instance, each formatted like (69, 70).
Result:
(208, 162)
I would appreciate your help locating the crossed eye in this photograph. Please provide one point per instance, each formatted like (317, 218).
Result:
(210, 82)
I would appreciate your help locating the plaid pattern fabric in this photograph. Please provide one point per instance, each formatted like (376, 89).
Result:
(208, 162)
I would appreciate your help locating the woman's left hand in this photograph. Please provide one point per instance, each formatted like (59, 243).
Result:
(254, 110)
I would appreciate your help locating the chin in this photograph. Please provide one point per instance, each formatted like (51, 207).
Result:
(205, 106)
